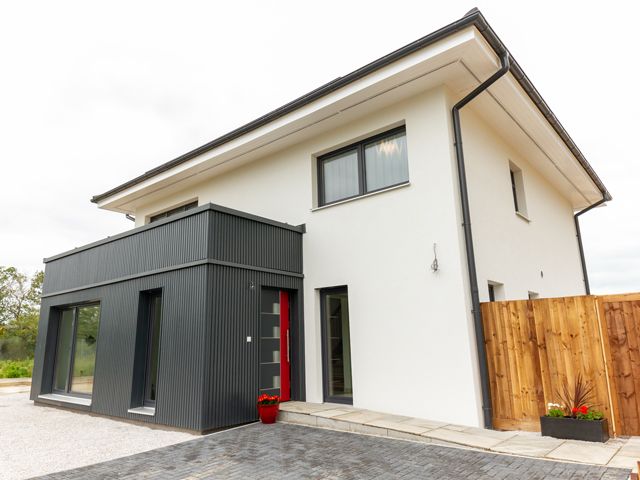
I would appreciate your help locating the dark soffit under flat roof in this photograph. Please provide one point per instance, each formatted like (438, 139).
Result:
(473, 17)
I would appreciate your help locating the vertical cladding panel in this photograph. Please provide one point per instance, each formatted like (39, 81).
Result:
(242, 240)
(172, 243)
(232, 381)
(180, 376)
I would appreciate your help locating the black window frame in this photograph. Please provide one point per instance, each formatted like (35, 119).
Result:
(173, 211)
(74, 330)
(149, 297)
(325, 346)
(514, 189)
(359, 148)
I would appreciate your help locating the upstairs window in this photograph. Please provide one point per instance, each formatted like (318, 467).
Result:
(173, 211)
(373, 164)
(517, 190)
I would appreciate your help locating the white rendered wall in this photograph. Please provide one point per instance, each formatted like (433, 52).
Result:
(509, 249)
(411, 338)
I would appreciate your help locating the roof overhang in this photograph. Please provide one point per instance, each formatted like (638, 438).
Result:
(460, 56)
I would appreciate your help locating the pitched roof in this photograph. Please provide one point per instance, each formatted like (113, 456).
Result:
(472, 18)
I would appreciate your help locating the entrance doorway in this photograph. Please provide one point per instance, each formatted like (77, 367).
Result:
(275, 366)
(336, 345)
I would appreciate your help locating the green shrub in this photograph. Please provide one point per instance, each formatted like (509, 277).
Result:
(16, 368)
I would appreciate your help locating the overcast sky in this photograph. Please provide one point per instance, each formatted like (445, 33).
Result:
(94, 93)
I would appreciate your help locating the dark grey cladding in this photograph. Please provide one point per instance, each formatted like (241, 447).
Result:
(210, 263)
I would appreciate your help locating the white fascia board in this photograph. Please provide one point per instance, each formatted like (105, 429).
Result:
(429, 58)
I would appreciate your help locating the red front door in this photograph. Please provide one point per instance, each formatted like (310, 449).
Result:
(275, 356)
(285, 366)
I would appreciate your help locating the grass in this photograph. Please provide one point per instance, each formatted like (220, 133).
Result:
(16, 368)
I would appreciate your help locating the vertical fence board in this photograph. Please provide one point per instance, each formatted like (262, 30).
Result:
(608, 356)
(622, 317)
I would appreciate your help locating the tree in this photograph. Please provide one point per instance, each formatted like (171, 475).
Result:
(13, 292)
(20, 306)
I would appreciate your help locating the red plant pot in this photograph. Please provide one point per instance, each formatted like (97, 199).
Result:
(268, 413)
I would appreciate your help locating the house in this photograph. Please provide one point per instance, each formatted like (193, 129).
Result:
(333, 250)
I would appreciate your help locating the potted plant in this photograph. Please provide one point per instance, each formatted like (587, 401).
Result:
(268, 406)
(574, 418)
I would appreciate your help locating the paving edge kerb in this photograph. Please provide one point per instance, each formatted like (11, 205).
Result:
(615, 454)
(308, 420)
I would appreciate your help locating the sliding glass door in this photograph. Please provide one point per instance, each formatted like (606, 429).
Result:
(336, 345)
(75, 356)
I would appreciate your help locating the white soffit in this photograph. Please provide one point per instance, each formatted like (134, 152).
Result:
(291, 127)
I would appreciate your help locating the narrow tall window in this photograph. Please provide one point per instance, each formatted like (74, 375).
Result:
(517, 190)
(492, 293)
(336, 347)
(154, 317)
(514, 190)
(374, 164)
(75, 355)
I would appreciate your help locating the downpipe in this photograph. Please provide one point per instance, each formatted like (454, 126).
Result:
(468, 237)
(576, 220)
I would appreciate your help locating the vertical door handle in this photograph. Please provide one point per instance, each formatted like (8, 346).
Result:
(288, 346)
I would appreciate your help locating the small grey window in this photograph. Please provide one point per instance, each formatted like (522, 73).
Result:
(496, 291)
(514, 189)
(517, 189)
(173, 211)
(373, 164)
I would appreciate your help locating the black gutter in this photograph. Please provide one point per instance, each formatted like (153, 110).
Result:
(468, 237)
(473, 17)
(585, 276)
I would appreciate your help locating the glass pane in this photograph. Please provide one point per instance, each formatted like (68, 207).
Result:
(270, 342)
(339, 345)
(340, 175)
(155, 316)
(63, 350)
(386, 162)
(84, 358)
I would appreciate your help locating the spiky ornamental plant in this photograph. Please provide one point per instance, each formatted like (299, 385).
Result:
(576, 399)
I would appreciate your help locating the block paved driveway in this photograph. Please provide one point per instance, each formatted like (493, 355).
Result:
(284, 451)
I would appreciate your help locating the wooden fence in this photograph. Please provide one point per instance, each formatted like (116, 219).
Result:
(534, 347)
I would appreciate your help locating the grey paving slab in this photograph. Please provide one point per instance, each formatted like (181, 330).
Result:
(297, 452)
(575, 451)
(528, 445)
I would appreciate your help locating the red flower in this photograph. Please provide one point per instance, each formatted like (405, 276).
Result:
(265, 399)
(574, 410)
(584, 409)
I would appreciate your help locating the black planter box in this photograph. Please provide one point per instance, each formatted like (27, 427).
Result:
(574, 429)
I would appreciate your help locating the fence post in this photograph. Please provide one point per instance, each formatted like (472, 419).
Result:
(606, 356)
